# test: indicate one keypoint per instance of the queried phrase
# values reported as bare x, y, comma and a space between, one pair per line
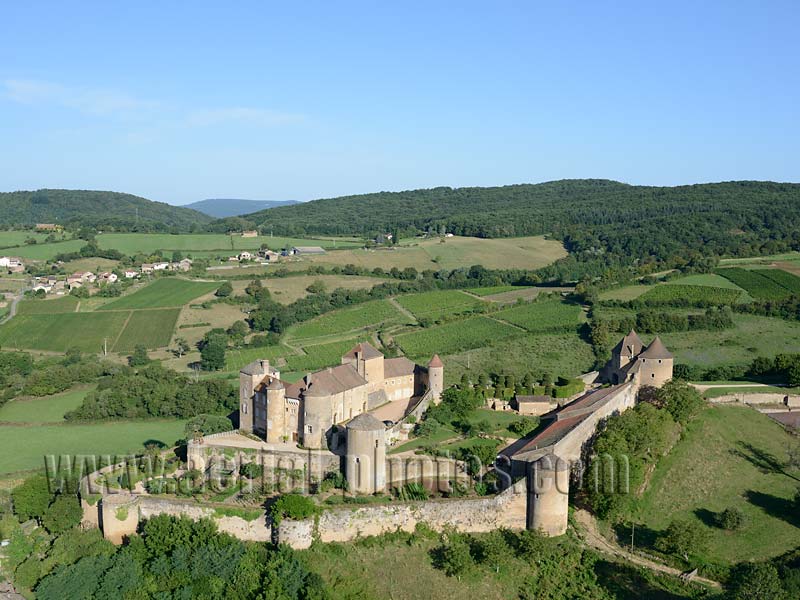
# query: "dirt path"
591, 535
12, 309
703, 387
405, 312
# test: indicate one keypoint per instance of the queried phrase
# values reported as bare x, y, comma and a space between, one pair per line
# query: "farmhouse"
307, 250
148, 267
160, 266
108, 277
12, 263
183, 265
308, 410
245, 255
250, 234
268, 255
48, 227
131, 273
533, 405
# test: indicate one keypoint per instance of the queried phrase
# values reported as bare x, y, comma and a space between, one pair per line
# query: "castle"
306, 412
631, 361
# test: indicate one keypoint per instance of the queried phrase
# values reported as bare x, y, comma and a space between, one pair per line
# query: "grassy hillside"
94, 208
729, 457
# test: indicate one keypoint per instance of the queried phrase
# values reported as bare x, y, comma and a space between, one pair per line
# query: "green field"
149, 328
17, 238
693, 294
729, 457
496, 289
64, 304
57, 333
162, 293
625, 293
236, 359
23, 448
348, 319
707, 279
133, 243
782, 278
48, 251
49, 409
548, 316
756, 284
438, 304
456, 336
320, 356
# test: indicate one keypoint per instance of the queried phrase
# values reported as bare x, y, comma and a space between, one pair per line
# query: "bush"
293, 506
682, 538
31, 498
730, 519
207, 425
251, 470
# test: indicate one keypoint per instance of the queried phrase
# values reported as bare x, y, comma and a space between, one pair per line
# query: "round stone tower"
436, 377
548, 490
365, 460
276, 411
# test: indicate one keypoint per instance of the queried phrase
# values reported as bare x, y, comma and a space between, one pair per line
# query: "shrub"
207, 425
730, 519
251, 470
293, 506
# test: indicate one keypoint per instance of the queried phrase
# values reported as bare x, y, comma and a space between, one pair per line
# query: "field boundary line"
122, 329
488, 316
393, 301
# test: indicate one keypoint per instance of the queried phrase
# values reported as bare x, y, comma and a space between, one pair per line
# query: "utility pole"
105, 346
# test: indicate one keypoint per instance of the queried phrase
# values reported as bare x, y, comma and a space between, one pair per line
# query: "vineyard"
319, 356
782, 278
163, 293
348, 319
757, 283
692, 294
438, 304
549, 316
497, 289
148, 328
457, 336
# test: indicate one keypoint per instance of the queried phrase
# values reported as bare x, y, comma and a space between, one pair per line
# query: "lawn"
729, 457
48, 251
23, 448
438, 304
49, 306
547, 316
58, 332
455, 336
49, 409
343, 320
441, 435
167, 292
149, 328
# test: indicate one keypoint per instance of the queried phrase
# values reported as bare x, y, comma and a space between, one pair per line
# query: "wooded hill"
103, 210
595, 218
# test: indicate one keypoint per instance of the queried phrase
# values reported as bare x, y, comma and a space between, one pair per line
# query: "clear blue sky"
183, 101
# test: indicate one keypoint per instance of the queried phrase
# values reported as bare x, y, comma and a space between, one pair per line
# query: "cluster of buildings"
270, 256
181, 265
12, 264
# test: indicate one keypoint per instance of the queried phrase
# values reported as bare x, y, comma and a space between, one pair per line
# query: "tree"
64, 513
730, 519
680, 399
756, 581
181, 346
207, 424
139, 357
225, 290
455, 557
31, 498
316, 287
212, 356
73, 356
682, 538
494, 550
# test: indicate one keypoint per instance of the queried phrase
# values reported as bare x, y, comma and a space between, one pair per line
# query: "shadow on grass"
780, 508
643, 536
762, 460
708, 517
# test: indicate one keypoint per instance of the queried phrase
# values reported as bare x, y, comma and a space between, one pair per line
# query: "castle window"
376, 443
244, 408
652, 375
309, 429
659, 361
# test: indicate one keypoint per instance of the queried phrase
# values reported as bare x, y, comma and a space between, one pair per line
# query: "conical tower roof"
365, 422
656, 349
631, 343
436, 362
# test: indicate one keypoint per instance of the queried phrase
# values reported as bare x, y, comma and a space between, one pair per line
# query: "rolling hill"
231, 207
107, 210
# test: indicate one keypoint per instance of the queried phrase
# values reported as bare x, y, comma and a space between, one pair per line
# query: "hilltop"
231, 207
100, 209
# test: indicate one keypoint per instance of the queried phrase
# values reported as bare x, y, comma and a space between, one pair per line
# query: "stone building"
307, 411
631, 361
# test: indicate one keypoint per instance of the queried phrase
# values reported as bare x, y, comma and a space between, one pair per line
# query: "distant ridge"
231, 207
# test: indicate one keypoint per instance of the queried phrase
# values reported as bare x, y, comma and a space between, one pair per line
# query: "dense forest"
101, 210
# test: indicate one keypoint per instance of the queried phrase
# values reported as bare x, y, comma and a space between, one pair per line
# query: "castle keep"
306, 411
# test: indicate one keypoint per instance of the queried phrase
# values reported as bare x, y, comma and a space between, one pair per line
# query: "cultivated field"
149, 328
438, 304
288, 289
48, 251
693, 293
729, 457
763, 284
361, 316
168, 292
455, 336
48, 306
133, 243
546, 316
58, 332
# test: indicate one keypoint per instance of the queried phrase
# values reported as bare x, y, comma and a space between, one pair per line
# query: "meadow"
438, 304
48, 409
361, 316
48, 306
23, 447
706, 279
730, 456
455, 336
17, 238
319, 356
544, 316
162, 293
148, 243
48, 251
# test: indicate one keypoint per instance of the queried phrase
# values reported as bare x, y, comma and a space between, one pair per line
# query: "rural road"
12, 310
591, 535
703, 387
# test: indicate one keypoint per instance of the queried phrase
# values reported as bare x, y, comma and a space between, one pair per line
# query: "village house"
160, 266
250, 234
108, 277
131, 273
245, 255
48, 227
268, 255
12, 263
533, 406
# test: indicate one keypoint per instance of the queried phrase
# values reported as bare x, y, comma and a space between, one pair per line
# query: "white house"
131, 273
245, 255
160, 266
108, 277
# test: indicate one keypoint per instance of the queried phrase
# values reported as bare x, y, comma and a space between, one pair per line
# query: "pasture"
361, 316
438, 304
545, 316
162, 293
148, 243
730, 456
24, 447
9, 239
48, 409
48, 251
455, 336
